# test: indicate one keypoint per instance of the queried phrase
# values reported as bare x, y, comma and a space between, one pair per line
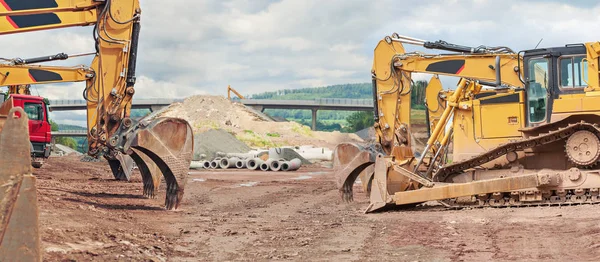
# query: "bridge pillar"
314, 119
155, 108
258, 108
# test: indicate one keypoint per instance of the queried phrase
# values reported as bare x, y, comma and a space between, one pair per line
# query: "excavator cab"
549, 75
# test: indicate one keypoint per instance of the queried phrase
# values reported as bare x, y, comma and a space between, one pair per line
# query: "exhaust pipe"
240, 164
292, 165
228, 162
266, 166
254, 163
276, 165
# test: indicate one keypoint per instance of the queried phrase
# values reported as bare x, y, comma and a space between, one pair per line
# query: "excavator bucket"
19, 227
352, 161
161, 146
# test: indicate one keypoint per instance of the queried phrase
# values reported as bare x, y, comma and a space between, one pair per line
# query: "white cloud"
195, 47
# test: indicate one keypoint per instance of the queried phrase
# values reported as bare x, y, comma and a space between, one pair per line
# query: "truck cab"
39, 124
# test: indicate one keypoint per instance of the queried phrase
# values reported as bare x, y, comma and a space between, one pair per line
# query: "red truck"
39, 124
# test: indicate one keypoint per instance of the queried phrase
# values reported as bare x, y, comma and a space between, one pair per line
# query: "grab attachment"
159, 145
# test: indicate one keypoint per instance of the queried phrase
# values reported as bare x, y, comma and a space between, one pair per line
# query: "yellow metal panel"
501, 120
21, 74
475, 66
573, 104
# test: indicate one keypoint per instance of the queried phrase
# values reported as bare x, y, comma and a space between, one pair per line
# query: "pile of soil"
216, 112
210, 142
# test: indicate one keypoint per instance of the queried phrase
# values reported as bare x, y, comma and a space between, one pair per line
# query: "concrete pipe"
291, 165
197, 164
215, 163
240, 164
276, 165
206, 164
254, 163
266, 166
228, 162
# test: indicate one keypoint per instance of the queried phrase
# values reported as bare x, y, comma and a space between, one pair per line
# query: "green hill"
329, 120
355, 91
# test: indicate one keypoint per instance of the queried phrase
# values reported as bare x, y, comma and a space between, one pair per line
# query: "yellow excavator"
158, 145
520, 127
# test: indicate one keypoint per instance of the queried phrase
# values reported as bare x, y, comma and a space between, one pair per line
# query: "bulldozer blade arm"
379, 196
168, 144
350, 162
19, 226
121, 167
151, 174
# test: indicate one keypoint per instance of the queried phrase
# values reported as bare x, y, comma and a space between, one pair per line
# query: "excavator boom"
518, 143
109, 89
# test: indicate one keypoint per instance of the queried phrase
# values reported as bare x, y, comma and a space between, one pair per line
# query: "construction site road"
256, 216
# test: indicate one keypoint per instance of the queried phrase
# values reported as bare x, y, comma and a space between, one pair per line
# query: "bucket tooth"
121, 166
168, 144
151, 174
19, 215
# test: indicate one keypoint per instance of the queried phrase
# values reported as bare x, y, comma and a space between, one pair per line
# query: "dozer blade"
166, 143
19, 227
121, 166
351, 161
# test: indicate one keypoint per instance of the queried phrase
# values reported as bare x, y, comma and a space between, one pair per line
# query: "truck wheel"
36, 164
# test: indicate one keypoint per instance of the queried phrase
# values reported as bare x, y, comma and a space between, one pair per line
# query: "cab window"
537, 89
34, 111
573, 72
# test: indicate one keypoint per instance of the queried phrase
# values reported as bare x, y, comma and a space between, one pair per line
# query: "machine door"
538, 82
37, 129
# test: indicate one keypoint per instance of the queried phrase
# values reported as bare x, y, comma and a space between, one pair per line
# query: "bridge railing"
344, 101
145, 101
69, 132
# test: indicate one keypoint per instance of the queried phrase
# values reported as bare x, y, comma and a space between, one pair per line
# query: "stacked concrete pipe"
241, 163
228, 162
276, 165
215, 163
291, 165
266, 166
254, 163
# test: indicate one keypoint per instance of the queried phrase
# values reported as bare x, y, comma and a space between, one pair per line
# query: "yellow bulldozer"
519, 129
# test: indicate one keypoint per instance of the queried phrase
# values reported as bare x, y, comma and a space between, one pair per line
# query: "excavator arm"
392, 75
34, 15
13, 75
158, 145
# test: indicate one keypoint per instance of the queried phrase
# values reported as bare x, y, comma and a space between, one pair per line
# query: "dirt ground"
258, 216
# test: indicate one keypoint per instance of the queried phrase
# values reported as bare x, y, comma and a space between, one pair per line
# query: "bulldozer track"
446, 172
569, 199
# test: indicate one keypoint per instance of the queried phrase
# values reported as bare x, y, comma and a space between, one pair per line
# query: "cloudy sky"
200, 47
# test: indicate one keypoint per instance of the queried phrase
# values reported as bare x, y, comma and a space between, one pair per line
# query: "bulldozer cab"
550, 73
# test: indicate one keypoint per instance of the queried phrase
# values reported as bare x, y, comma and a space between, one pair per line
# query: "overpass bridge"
69, 133
344, 104
80, 104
